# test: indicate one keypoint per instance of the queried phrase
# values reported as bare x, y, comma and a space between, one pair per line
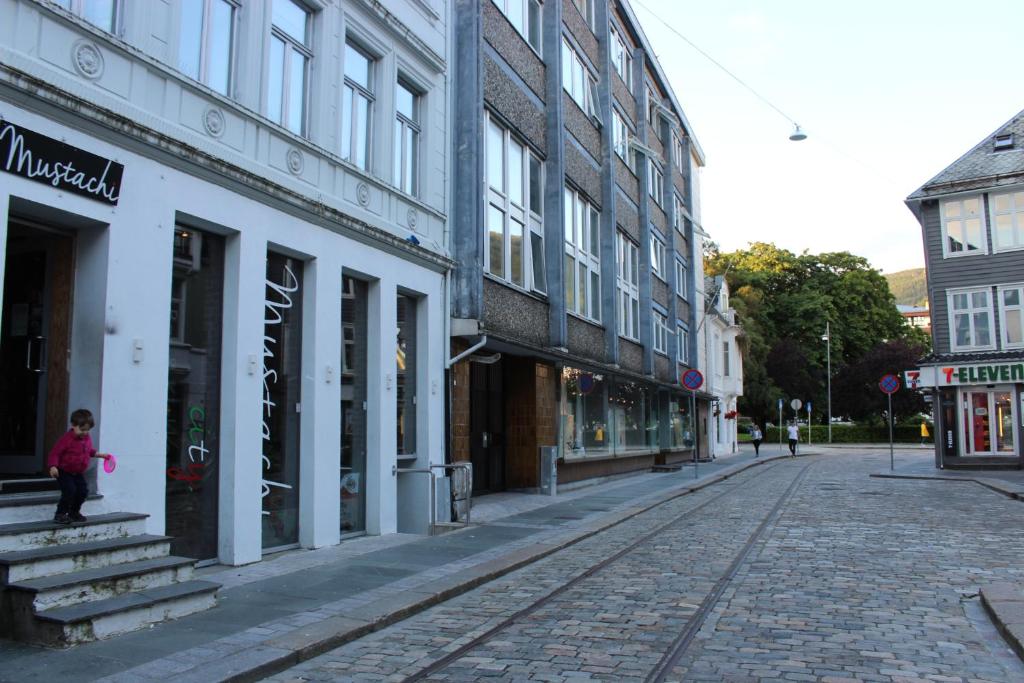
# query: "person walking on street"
755, 438
794, 437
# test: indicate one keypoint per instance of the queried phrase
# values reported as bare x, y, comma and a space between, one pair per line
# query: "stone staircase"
64, 585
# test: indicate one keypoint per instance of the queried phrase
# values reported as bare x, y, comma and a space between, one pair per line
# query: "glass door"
989, 422
353, 406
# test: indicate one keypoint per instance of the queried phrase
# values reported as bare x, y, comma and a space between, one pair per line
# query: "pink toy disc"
109, 464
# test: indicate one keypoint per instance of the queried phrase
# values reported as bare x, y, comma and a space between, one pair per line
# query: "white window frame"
1003, 308
652, 102
80, 8
205, 46
587, 9
620, 137
1016, 214
682, 287
514, 212
679, 214
622, 58
682, 344
659, 266
726, 359
358, 93
525, 17
678, 155
292, 46
655, 182
659, 340
580, 231
579, 82
406, 174
627, 286
970, 311
943, 209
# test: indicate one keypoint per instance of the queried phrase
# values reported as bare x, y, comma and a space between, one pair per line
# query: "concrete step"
42, 534
89, 621
100, 583
37, 506
21, 565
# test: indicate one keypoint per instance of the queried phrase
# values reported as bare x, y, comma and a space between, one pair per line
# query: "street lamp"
827, 338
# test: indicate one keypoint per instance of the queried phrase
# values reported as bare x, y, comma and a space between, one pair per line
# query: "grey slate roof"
981, 167
976, 357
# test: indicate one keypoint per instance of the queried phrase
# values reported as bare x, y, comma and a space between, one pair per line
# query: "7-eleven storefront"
979, 408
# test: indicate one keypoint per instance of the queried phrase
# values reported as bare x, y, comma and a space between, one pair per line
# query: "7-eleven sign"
912, 378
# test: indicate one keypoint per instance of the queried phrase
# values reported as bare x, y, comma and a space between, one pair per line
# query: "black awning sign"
30, 155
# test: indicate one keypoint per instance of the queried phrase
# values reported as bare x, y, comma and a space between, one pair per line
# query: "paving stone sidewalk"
299, 604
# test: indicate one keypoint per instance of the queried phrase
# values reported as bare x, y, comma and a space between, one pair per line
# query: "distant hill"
909, 287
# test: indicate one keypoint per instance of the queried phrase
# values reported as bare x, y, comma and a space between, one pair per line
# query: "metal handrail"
462, 465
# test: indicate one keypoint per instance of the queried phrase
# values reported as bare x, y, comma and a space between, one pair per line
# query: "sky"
889, 94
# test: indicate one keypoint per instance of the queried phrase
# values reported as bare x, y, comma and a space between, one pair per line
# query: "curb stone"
287, 650
1004, 603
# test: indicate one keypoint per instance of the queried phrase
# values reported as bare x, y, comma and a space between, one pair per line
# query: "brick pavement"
859, 579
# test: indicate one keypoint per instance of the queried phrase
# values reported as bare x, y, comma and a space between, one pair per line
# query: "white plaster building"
724, 364
243, 277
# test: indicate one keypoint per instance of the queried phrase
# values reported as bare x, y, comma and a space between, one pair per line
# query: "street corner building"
575, 226
223, 228
972, 222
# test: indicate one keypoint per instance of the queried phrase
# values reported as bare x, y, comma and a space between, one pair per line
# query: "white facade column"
320, 440
240, 540
381, 414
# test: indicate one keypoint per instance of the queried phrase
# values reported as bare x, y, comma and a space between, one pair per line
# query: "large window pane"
290, 18
352, 488
516, 251
357, 69
282, 380
496, 239
963, 329
219, 41
569, 276
406, 384
495, 157
515, 173
361, 132
627, 401
982, 334
275, 88
540, 279
584, 414
190, 37
1014, 330
536, 198
99, 13
297, 93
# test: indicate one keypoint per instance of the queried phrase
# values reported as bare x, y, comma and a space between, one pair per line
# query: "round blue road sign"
692, 379
889, 384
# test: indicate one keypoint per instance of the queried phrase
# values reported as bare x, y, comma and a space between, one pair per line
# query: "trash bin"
549, 470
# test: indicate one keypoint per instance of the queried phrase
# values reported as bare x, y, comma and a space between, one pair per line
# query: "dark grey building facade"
972, 222
573, 229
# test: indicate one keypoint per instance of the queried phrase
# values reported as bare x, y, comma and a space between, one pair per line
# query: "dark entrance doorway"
487, 427
34, 343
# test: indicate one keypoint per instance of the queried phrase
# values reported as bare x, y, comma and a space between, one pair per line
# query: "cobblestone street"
802, 570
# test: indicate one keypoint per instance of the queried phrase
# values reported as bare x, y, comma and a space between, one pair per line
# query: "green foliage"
853, 434
909, 287
784, 300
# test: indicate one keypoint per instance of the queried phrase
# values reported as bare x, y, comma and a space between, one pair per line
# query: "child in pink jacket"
68, 461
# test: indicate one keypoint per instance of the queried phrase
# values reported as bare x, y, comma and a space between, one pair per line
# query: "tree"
855, 390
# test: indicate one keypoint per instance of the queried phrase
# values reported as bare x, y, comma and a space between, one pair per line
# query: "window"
658, 257
206, 41
1011, 315
405, 365
585, 413
725, 358
682, 344
655, 182
407, 136
103, 14
514, 211
524, 15
660, 332
587, 9
622, 58
620, 137
628, 286
678, 152
1007, 211
679, 214
652, 108
578, 82
290, 54
681, 279
357, 108
582, 274
970, 314
1002, 142
963, 229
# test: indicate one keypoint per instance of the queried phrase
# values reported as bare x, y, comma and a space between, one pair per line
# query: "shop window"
352, 487
357, 107
193, 393
282, 380
633, 416
584, 413
680, 416
290, 55
963, 227
405, 360
206, 42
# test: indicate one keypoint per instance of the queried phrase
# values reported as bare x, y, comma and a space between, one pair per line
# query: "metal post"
892, 462
780, 426
693, 430
828, 361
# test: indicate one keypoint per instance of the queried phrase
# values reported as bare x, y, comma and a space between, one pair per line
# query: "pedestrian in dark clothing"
755, 438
